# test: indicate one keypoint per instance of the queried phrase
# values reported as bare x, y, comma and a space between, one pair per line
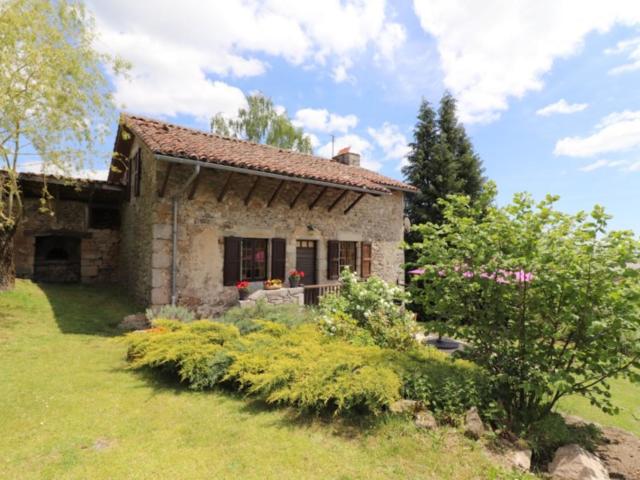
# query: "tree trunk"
7, 266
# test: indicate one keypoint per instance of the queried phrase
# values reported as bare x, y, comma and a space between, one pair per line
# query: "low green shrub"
309, 371
552, 432
172, 312
448, 387
245, 319
197, 352
371, 305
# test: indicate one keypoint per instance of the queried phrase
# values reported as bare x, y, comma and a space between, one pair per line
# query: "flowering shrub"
371, 311
548, 301
296, 274
242, 285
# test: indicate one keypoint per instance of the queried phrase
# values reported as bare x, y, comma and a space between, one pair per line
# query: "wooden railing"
313, 293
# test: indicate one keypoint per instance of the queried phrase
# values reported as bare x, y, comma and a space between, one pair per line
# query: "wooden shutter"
138, 172
365, 260
231, 268
333, 258
278, 258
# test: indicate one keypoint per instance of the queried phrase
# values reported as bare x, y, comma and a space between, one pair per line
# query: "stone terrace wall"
204, 222
275, 297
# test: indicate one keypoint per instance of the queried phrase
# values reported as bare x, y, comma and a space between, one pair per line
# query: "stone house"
199, 212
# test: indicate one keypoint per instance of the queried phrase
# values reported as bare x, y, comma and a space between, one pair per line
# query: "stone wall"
137, 233
99, 248
275, 297
204, 222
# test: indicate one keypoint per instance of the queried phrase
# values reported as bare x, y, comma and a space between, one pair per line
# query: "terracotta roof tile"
173, 140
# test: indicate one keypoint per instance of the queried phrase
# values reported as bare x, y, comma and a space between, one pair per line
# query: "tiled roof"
173, 140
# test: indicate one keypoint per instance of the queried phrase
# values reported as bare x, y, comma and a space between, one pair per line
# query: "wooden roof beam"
194, 186
165, 181
318, 197
295, 200
251, 191
337, 200
354, 203
275, 193
225, 187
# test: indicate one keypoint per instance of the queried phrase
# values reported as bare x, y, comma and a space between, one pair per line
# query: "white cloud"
174, 48
392, 36
616, 132
391, 140
622, 165
320, 120
493, 50
358, 145
562, 107
36, 166
631, 48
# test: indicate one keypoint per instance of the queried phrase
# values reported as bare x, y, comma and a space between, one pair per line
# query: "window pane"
254, 259
348, 255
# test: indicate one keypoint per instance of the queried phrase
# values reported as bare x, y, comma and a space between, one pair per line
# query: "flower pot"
294, 282
243, 294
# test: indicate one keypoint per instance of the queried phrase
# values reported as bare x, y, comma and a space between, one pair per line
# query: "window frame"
254, 242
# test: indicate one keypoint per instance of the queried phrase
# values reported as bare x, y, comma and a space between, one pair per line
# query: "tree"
55, 100
441, 162
262, 123
549, 302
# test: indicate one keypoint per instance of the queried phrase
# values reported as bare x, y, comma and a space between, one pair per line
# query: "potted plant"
243, 289
272, 284
294, 278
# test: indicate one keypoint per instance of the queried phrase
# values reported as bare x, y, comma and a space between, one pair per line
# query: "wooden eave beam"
251, 190
225, 187
354, 203
165, 181
295, 200
337, 200
318, 197
275, 193
194, 186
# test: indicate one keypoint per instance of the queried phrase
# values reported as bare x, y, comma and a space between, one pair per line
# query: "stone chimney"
347, 157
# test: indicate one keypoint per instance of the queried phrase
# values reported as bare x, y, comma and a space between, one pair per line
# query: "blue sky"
358, 70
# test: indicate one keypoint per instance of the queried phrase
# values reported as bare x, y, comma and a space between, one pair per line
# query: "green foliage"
369, 311
262, 123
55, 94
548, 434
172, 312
197, 352
441, 162
448, 387
549, 302
305, 369
246, 319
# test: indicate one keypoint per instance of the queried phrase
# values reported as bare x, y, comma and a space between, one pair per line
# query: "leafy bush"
545, 436
172, 312
197, 352
305, 369
247, 319
448, 387
373, 306
549, 302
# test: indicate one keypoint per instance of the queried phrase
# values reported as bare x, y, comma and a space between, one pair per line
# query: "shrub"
305, 369
371, 305
246, 319
448, 387
172, 312
549, 302
197, 352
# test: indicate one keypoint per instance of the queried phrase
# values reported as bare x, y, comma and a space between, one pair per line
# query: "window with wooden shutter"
231, 268
365, 260
333, 258
278, 258
138, 179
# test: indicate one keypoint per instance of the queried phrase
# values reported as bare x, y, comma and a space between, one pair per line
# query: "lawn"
70, 409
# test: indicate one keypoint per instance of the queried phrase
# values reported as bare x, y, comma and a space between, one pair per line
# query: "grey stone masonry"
275, 297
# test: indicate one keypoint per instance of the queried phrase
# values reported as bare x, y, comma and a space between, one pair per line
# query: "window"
340, 255
138, 172
104, 218
365, 260
253, 259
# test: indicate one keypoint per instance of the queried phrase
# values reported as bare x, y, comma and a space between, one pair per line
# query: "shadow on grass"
88, 309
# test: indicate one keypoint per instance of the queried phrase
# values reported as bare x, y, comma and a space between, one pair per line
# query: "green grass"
70, 409
625, 395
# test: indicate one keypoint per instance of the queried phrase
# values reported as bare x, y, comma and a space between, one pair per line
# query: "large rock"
519, 458
572, 462
404, 406
620, 453
424, 419
473, 426
136, 321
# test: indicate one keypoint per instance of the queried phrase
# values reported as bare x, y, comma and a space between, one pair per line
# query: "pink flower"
467, 274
